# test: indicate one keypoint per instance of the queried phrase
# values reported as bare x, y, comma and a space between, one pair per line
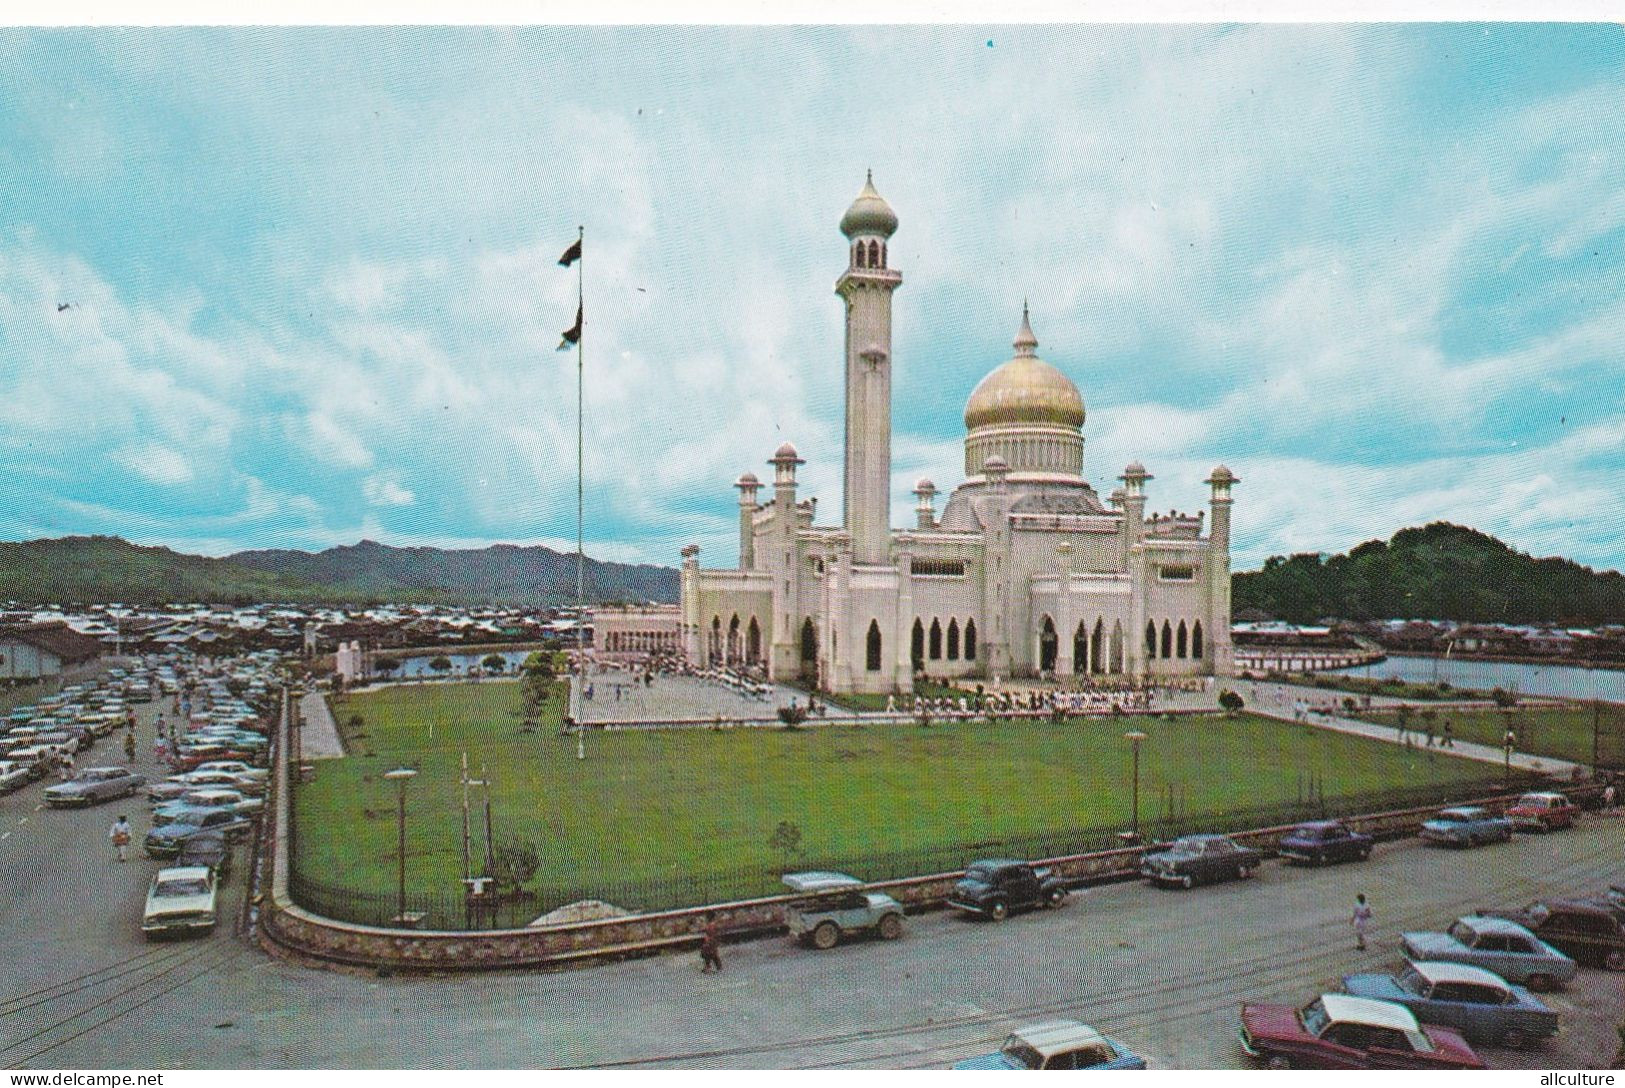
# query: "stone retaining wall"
287, 926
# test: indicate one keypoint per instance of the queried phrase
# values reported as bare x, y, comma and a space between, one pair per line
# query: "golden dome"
1025, 390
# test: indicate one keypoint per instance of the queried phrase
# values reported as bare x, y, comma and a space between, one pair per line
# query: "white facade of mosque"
1027, 572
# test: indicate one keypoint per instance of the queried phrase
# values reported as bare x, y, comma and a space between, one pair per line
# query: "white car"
236, 767
180, 902
14, 776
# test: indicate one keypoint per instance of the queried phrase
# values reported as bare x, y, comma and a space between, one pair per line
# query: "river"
1563, 680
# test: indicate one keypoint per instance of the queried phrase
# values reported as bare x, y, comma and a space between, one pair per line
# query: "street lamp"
1135, 738
399, 776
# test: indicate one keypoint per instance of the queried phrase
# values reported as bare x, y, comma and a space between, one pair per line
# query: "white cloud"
160, 464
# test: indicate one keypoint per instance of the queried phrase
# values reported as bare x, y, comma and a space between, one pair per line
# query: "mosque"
1026, 572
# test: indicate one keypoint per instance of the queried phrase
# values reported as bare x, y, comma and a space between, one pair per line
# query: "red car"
1337, 1031
1542, 812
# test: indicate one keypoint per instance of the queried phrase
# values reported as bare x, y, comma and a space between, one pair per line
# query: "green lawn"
1563, 733
650, 817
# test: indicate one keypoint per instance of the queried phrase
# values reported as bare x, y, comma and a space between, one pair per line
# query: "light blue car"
1480, 1004
1467, 825
1057, 1044
1497, 945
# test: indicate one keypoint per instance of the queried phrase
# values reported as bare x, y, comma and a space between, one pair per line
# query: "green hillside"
1439, 571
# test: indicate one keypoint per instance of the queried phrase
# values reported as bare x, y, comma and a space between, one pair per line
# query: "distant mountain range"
107, 568
1440, 572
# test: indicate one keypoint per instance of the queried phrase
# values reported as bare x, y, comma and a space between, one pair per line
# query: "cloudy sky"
312, 295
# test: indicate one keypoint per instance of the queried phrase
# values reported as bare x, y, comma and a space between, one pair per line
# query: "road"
1162, 970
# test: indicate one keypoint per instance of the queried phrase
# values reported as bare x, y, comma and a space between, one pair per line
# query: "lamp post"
1135, 738
399, 776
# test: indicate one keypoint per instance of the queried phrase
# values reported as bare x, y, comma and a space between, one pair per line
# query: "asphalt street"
1162, 970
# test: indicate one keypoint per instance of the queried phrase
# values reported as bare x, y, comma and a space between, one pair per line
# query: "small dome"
923, 484
869, 214
1222, 474
995, 464
1134, 469
786, 452
748, 480
1025, 390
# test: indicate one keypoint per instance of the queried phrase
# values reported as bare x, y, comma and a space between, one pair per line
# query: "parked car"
201, 801
1200, 859
94, 785
236, 767
996, 886
177, 786
166, 841
1340, 1031
14, 775
1058, 1044
1480, 1004
1543, 812
1494, 944
1325, 841
211, 850
1589, 932
181, 902
835, 905
1468, 825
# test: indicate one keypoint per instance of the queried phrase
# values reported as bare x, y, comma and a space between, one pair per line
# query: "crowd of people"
1025, 703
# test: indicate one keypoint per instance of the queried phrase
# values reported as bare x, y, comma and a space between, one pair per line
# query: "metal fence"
447, 910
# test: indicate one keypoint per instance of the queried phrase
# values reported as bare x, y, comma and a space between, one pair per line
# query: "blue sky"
1376, 270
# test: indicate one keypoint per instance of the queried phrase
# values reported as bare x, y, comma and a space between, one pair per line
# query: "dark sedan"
1587, 932
1325, 841
95, 785
1200, 859
209, 849
996, 886
166, 841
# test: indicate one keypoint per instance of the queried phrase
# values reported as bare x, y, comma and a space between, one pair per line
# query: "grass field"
702, 805
1563, 733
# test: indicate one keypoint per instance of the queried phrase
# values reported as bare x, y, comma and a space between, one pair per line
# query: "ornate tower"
866, 286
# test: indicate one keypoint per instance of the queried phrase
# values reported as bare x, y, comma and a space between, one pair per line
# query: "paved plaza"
619, 696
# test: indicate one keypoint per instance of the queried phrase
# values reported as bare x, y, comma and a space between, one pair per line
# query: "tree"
540, 662
786, 839
441, 664
1231, 701
495, 663
514, 861
792, 716
1504, 699
384, 666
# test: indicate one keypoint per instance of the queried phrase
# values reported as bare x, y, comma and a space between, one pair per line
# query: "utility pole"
468, 865
490, 850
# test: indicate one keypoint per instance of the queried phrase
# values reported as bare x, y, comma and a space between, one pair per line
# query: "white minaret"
866, 286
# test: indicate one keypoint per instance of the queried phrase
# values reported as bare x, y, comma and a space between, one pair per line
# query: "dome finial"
1026, 343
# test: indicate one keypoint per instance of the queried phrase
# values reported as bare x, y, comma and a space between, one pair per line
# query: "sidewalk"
1275, 701
318, 733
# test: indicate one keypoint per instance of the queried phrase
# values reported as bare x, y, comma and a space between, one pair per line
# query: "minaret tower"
866, 286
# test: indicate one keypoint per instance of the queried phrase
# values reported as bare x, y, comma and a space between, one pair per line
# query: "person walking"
710, 948
120, 834
65, 767
1449, 740
129, 748
1361, 921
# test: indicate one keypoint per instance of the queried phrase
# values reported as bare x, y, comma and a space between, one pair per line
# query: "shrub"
792, 716
514, 861
441, 663
1231, 701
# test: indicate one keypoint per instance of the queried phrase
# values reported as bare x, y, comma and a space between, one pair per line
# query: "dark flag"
571, 255
573, 333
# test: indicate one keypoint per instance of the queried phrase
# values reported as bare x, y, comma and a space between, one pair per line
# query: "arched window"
1167, 640
1150, 639
916, 646
953, 640
753, 642
1116, 656
874, 255
1047, 644
873, 656
733, 640
882, 256
1097, 646
936, 640
860, 256
809, 642
1196, 641
715, 649
1181, 644
970, 640
1080, 648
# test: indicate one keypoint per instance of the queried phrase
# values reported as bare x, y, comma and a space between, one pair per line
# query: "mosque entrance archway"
916, 649
872, 656
1047, 646
1097, 646
1080, 648
1117, 647
753, 643
733, 640
809, 648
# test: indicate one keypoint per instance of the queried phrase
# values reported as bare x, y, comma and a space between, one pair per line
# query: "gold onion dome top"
1025, 390
869, 213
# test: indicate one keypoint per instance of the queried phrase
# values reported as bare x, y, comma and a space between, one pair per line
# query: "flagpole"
581, 553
